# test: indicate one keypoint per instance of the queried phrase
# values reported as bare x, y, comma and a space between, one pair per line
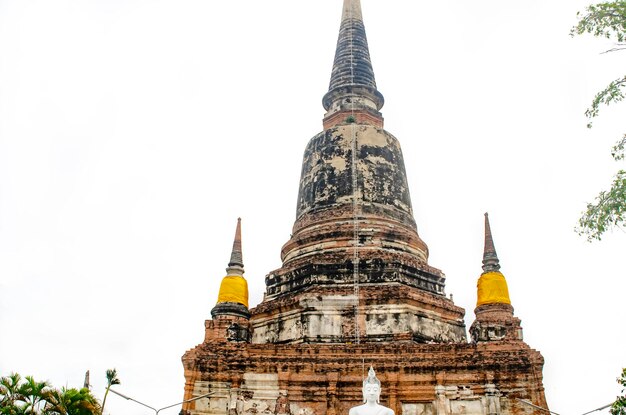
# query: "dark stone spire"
352, 64
236, 258
232, 299
491, 263
494, 313
352, 80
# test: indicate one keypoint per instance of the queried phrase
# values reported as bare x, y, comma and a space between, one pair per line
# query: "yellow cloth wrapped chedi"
234, 289
492, 288
232, 299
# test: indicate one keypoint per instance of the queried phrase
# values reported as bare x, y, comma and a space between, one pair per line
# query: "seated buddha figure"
371, 398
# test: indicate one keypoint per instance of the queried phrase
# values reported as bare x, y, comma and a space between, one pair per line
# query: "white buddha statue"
371, 398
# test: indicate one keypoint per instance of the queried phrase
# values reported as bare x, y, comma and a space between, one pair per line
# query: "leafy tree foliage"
34, 394
619, 406
10, 393
608, 211
26, 396
72, 402
604, 20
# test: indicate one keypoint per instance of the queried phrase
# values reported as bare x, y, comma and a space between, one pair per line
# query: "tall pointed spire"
232, 299
352, 64
236, 257
352, 10
491, 263
494, 312
492, 286
352, 83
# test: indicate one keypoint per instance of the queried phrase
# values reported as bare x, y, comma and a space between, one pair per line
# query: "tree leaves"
614, 92
608, 20
619, 406
618, 150
603, 20
72, 402
112, 378
25, 396
608, 211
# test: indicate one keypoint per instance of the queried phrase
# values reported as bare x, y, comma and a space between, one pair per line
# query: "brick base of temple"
326, 379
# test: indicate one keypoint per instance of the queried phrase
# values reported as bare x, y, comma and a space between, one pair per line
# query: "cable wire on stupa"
355, 200
351, 94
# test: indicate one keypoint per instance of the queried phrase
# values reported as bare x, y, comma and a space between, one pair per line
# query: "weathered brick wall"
320, 379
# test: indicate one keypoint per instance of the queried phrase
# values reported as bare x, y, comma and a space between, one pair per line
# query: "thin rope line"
355, 202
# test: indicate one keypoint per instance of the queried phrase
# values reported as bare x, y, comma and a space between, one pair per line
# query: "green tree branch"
619, 406
603, 20
608, 211
608, 20
614, 92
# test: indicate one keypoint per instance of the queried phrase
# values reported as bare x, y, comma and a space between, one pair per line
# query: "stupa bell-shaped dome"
354, 207
354, 238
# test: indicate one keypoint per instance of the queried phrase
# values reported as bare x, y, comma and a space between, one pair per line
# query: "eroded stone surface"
322, 379
385, 311
495, 322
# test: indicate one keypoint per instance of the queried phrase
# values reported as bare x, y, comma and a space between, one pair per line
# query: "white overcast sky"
133, 133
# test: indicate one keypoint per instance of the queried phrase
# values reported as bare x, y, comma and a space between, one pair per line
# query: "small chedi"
355, 289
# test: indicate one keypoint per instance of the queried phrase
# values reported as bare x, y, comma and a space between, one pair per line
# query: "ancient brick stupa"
355, 290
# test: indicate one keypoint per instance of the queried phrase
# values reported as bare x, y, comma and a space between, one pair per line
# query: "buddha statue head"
371, 387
